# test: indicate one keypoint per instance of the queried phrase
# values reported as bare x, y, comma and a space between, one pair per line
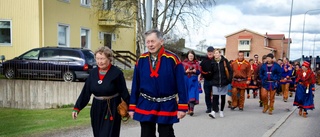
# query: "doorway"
107, 40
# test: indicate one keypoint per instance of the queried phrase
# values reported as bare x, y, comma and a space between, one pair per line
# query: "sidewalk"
249, 123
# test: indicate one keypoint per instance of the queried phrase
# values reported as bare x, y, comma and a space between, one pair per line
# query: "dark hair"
264, 57
191, 52
270, 55
157, 32
250, 60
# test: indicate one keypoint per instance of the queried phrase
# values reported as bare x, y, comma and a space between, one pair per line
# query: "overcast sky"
261, 16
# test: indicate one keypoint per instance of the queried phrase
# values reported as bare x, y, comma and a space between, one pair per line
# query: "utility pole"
289, 39
148, 18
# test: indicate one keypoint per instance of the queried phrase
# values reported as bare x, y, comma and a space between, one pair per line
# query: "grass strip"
24, 122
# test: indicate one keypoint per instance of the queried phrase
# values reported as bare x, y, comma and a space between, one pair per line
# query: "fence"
33, 94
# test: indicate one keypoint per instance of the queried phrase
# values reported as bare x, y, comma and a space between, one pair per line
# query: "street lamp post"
304, 22
314, 47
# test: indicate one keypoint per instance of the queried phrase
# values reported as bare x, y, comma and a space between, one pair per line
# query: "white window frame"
107, 4
86, 3
88, 37
113, 36
66, 1
244, 40
67, 35
8, 44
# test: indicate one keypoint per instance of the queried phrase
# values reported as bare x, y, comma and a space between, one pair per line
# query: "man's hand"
131, 113
181, 114
248, 82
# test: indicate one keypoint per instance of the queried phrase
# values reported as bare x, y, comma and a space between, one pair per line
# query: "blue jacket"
165, 80
270, 76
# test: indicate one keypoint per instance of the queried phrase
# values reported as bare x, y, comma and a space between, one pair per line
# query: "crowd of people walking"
165, 89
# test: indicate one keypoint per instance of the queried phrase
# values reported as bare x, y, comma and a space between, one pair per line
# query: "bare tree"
166, 16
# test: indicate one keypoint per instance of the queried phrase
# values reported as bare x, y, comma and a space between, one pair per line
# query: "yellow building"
27, 24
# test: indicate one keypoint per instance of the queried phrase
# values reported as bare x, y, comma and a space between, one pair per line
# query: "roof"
242, 31
287, 39
273, 49
185, 50
275, 36
245, 37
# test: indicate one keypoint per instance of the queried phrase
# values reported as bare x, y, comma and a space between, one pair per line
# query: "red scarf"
191, 64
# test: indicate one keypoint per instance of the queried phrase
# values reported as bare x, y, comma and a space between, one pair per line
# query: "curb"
270, 132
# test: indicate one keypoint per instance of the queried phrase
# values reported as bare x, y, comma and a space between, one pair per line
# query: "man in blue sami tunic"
158, 93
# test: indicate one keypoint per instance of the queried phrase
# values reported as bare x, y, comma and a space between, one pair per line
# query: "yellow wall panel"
24, 15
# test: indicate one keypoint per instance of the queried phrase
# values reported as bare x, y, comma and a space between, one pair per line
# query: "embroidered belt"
270, 81
106, 97
239, 79
154, 99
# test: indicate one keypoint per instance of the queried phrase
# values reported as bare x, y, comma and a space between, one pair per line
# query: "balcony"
114, 19
244, 47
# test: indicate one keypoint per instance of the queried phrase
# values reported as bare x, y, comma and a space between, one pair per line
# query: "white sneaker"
221, 114
212, 114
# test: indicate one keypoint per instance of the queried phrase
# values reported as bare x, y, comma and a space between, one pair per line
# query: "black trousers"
148, 129
215, 102
207, 86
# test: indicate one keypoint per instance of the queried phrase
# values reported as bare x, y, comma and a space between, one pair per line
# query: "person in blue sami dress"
286, 78
192, 70
270, 74
158, 93
305, 80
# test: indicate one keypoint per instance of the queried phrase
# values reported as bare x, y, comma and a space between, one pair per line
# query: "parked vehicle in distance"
2, 57
64, 63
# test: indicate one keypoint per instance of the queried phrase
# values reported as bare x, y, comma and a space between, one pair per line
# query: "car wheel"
9, 73
69, 76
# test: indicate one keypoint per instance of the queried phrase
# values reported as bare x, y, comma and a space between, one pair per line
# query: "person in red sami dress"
241, 78
306, 80
192, 70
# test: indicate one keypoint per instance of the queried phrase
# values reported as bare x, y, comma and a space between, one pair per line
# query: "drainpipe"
42, 23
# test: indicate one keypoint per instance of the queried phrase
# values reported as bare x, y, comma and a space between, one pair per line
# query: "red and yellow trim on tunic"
171, 55
76, 109
132, 107
182, 107
154, 112
241, 84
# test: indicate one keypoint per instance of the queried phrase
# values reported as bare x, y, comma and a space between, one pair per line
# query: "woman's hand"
131, 114
74, 115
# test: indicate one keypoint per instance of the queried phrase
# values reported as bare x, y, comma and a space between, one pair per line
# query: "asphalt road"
285, 122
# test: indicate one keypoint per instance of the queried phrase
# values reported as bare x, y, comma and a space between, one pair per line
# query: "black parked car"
68, 64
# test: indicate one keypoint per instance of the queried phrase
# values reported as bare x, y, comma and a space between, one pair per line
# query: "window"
244, 42
49, 54
113, 36
69, 55
85, 2
246, 54
63, 35
107, 4
31, 55
67, 1
85, 38
5, 32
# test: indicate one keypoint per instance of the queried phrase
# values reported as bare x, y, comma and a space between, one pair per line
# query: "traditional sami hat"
306, 64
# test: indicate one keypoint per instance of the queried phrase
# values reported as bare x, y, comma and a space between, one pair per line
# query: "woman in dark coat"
222, 75
107, 84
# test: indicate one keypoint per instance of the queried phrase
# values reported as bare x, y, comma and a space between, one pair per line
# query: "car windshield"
32, 55
89, 56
